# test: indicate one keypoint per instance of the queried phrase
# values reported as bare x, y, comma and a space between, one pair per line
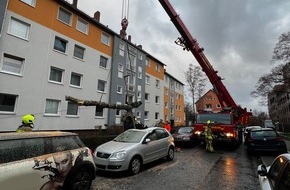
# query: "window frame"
77, 110
119, 89
80, 81
107, 37
85, 23
52, 113
64, 11
106, 62
33, 2
12, 31
55, 48
99, 82
14, 106
56, 69
14, 60
99, 116
79, 48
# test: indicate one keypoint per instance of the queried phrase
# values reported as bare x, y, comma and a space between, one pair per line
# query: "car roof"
253, 126
148, 130
262, 129
33, 134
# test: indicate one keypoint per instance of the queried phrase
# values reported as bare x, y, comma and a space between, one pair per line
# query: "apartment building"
173, 101
51, 49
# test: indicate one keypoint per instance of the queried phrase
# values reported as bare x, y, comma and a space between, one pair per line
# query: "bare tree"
189, 113
196, 81
278, 75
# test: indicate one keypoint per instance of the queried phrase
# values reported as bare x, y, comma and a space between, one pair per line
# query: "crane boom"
190, 44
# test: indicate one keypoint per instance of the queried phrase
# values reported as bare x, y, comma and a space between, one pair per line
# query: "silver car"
133, 148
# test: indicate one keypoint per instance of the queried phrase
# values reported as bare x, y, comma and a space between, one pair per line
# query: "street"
192, 168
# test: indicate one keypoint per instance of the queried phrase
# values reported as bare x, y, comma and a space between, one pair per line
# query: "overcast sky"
238, 36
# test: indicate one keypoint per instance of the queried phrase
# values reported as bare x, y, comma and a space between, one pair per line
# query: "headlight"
118, 155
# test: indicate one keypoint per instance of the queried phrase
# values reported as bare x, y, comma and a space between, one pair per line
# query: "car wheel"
170, 155
80, 179
135, 165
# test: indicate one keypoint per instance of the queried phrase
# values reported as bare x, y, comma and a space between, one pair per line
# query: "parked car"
266, 140
45, 160
276, 176
133, 148
184, 137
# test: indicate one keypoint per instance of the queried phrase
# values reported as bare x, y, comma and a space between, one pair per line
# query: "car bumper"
109, 165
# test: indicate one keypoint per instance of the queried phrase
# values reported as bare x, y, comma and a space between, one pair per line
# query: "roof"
33, 134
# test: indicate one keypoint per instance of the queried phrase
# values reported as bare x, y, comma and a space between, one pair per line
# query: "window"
147, 79
140, 56
72, 109
103, 61
131, 62
79, 52
29, 2
120, 70
166, 104
75, 79
147, 63
157, 83
105, 38
60, 44
52, 106
166, 91
138, 114
64, 16
19, 28
218, 105
156, 115
146, 115
166, 79
147, 97
122, 49
82, 26
119, 89
140, 72
99, 112
7, 102
157, 68
55, 75
208, 106
157, 99
118, 112
12, 64
101, 85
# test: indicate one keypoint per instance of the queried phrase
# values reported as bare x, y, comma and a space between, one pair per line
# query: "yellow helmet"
28, 119
208, 122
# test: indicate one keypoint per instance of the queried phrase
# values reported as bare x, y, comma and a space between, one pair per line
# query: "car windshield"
214, 117
263, 134
185, 130
130, 136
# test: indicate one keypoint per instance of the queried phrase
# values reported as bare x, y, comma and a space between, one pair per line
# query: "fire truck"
227, 124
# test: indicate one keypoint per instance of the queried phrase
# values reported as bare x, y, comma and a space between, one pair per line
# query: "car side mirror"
262, 170
147, 141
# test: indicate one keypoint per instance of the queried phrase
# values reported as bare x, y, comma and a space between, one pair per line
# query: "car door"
284, 182
276, 170
150, 149
163, 143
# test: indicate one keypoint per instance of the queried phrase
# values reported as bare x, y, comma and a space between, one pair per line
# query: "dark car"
276, 176
184, 136
265, 140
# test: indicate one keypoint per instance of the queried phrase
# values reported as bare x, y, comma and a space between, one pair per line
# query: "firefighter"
27, 123
208, 137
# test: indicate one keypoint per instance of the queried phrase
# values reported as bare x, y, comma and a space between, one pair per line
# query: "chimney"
75, 3
129, 38
97, 16
139, 46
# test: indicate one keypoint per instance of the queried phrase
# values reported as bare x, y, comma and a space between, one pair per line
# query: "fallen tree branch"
128, 107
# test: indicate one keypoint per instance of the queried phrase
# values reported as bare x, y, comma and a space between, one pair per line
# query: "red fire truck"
229, 122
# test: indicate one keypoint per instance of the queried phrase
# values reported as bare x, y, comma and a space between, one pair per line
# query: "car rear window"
263, 134
19, 149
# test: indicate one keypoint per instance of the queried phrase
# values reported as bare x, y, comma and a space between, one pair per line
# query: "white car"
133, 148
276, 176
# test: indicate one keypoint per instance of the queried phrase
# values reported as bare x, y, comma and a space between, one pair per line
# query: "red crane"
240, 115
